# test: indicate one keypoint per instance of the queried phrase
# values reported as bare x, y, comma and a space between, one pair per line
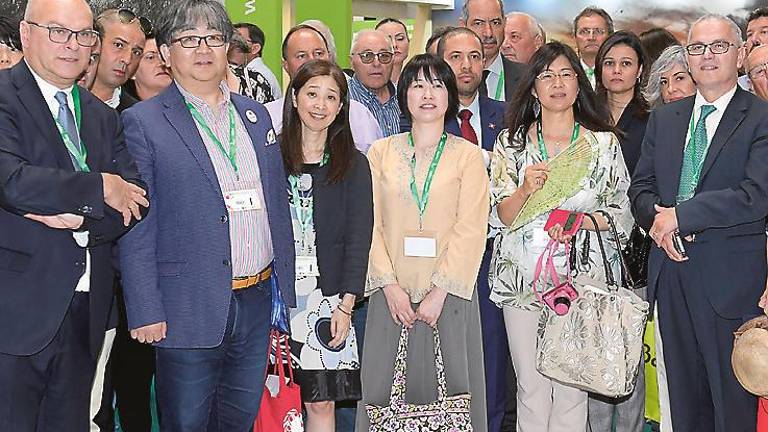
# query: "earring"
536, 107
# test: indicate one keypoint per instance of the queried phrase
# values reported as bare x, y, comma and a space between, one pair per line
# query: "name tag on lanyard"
242, 200
306, 266
420, 244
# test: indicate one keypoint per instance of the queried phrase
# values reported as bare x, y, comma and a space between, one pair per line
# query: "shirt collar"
114, 101
258, 61
371, 95
474, 107
720, 103
49, 90
497, 66
199, 103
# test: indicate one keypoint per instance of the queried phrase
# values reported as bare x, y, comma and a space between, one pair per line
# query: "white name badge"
242, 200
420, 245
306, 266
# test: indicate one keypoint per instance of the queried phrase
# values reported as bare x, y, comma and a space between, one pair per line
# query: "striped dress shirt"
387, 114
249, 234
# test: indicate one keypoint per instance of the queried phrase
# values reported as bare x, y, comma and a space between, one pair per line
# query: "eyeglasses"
213, 41
94, 58
758, 71
719, 47
548, 76
62, 35
367, 57
585, 31
128, 16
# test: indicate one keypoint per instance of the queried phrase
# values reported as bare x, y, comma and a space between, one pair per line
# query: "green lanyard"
303, 213
232, 153
540, 136
79, 154
500, 86
421, 200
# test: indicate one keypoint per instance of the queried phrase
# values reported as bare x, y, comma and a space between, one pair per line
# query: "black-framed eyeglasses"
213, 41
128, 16
719, 47
367, 57
61, 35
759, 71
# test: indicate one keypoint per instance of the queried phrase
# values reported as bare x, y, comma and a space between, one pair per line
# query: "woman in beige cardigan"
426, 250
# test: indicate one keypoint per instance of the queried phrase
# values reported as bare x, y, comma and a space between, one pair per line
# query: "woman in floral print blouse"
554, 108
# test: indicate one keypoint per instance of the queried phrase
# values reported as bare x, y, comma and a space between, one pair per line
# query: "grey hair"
327, 34
671, 56
237, 42
362, 33
465, 9
183, 15
534, 26
735, 29
747, 64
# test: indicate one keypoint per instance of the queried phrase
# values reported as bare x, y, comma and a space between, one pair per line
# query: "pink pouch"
560, 297
570, 221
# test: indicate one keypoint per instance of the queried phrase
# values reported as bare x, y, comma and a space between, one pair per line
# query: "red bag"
281, 413
762, 415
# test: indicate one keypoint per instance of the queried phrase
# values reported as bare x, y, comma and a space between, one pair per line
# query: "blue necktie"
67, 121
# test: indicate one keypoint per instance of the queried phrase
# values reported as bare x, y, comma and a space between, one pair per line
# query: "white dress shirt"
492, 82
257, 65
713, 120
114, 101
49, 94
476, 122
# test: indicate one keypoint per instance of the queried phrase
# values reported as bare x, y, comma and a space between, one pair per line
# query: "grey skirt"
461, 344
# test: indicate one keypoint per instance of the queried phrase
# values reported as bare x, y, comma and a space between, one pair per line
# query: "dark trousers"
703, 391
219, 389
346, 411
495, 348
50, 390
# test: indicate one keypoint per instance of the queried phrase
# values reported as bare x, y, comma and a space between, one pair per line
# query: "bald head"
367, 37
372, 58
61, 62
757, 62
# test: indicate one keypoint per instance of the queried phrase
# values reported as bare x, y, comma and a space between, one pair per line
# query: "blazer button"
86, 209
225, 262
224, 219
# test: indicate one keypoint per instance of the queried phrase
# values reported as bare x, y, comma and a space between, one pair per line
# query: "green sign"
268, 15
337, 15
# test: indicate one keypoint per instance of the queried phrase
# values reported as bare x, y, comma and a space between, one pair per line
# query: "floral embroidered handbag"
597, 345
446, 414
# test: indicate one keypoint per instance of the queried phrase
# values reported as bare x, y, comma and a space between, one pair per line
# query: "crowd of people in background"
160, 191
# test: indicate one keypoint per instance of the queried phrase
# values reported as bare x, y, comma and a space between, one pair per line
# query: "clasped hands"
119, 194
429, 310
663, 229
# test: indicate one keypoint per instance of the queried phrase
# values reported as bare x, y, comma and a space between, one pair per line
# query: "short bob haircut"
674, 55
183, 15
590, 113
623, 37
339, 142
433, 68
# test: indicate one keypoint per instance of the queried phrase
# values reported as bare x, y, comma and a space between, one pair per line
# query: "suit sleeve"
111, 226
27, 188
359, 229
643, 192
744, 203
138, 248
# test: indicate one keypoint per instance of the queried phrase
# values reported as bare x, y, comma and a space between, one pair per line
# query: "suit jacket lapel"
32, 98
490, 125
180, 119
452, 126
255, 131
89, 135
732, 118
678, 128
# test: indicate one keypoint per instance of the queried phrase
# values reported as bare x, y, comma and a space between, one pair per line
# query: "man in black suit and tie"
486, 19
68, 189
701, 186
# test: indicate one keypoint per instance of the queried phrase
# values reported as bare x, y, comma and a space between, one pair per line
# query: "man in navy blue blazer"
702, 177
197, 275
68, 189
480, 119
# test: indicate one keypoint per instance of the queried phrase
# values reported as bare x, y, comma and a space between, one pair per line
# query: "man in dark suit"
486, 19
479, 121
63, 202
197, 276
702, 178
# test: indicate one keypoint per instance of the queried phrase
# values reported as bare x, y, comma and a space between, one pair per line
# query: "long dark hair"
339, 143
631, 40
586, 110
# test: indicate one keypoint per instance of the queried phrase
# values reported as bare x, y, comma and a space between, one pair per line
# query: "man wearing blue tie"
197, 276
68, 189
701, 190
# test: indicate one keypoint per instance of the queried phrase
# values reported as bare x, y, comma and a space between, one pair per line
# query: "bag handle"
397, 393
608, 272
626, 276
279, 368
549, 252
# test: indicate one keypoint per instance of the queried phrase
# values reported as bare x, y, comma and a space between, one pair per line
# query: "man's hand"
399, 304
124, 197
150, 333
669, 247
432, 306
664, 223
67, 221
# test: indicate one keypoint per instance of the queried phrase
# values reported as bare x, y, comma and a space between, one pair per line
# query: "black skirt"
328, 385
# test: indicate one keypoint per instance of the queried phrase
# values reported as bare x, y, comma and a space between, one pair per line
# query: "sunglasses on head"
128, 16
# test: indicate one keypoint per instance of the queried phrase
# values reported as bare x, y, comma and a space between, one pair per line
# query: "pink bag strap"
549, 253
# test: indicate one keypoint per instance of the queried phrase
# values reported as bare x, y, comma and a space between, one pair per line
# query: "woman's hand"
556, 234
341, 320
764, 300
399, 305
432, 306
535, 177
